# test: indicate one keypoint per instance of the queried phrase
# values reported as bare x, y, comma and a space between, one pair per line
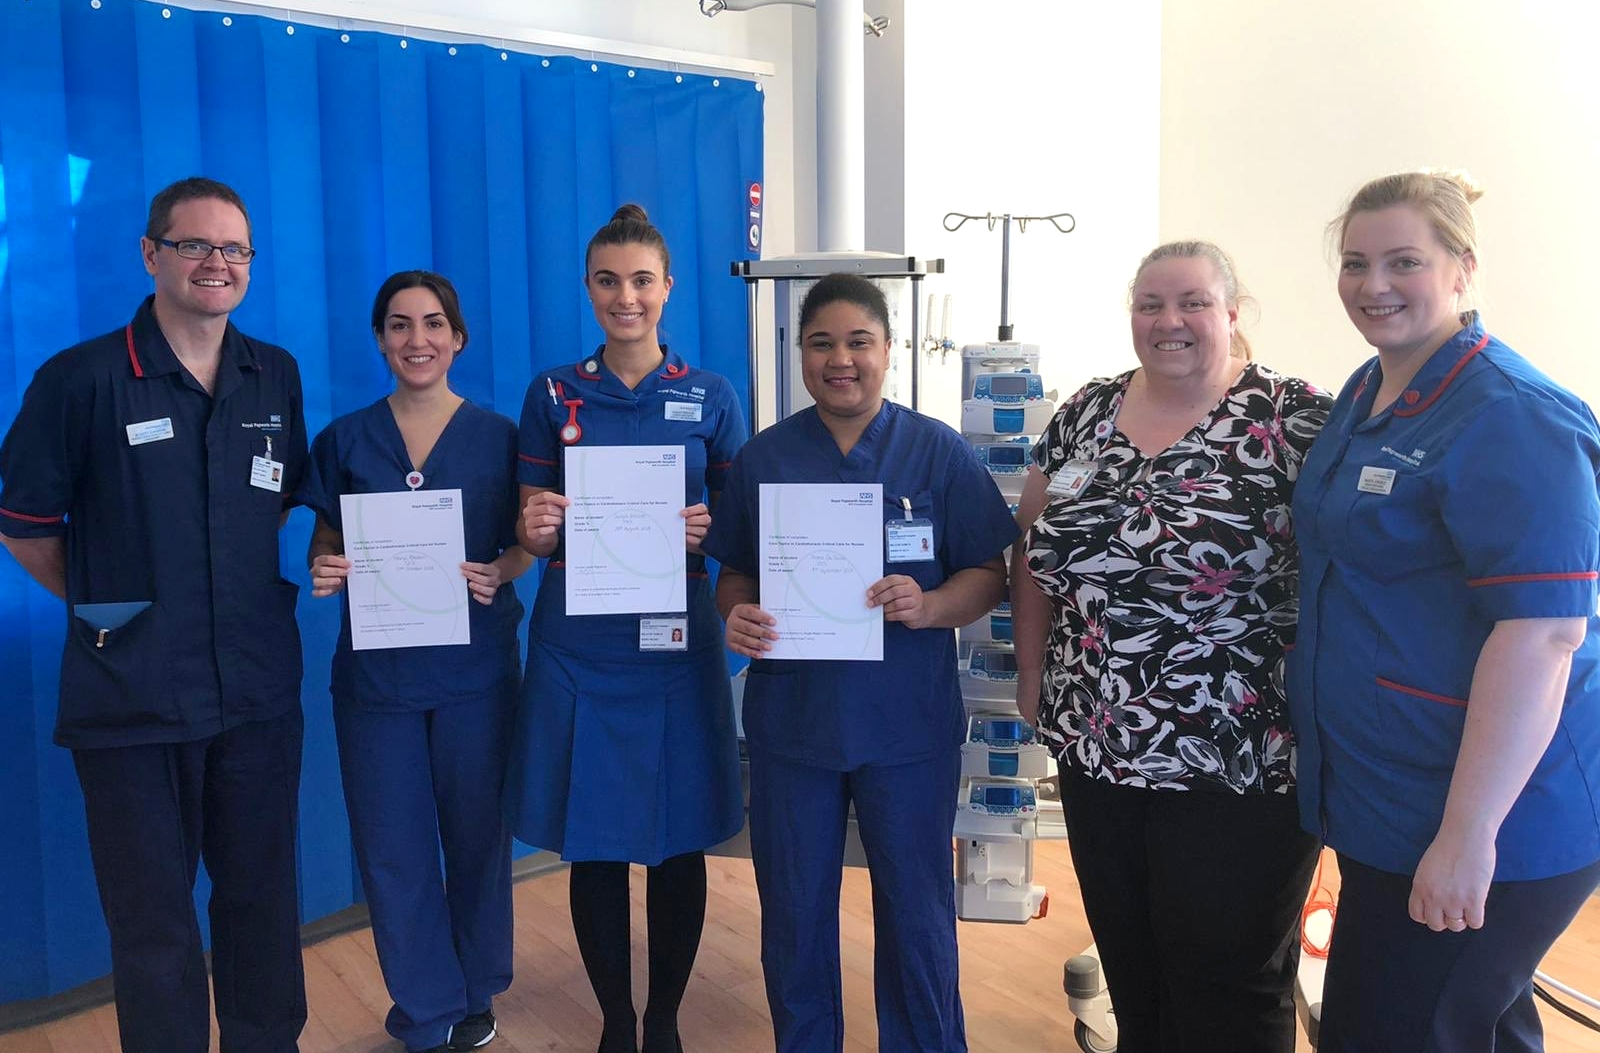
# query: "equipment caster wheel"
1088, 1041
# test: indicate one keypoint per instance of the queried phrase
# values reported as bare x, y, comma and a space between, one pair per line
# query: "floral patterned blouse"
1172, 582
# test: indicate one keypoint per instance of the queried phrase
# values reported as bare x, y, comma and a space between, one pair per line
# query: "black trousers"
153, 813
1194, 899
1394, 986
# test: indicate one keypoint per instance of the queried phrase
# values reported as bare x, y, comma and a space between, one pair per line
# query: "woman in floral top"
1152, 610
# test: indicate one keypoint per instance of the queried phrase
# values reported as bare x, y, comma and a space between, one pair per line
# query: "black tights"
675, 912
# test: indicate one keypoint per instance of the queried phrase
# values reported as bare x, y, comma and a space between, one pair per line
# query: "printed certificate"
405, 587
821, 549
624, 533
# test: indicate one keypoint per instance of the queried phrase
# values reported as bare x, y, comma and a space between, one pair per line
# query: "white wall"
1272, 114
1030, 108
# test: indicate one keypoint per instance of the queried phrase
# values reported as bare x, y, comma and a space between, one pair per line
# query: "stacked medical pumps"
1001, 807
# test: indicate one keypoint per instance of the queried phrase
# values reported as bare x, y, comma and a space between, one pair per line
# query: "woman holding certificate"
422, 729
883, 735
624, 750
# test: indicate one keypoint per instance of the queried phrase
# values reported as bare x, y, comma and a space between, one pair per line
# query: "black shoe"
474, 1032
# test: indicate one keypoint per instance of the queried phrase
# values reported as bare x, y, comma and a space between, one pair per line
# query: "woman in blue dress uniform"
624, 750
422, 730
1445, 689
883, 736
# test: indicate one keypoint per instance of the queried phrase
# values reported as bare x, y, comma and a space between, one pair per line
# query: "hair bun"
628, 212
1471, 189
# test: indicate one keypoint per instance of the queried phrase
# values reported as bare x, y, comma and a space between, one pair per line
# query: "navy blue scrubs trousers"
415, 783
1394, 986
798, 817
153, 812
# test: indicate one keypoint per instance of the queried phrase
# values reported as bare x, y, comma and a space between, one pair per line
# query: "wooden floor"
1010, 978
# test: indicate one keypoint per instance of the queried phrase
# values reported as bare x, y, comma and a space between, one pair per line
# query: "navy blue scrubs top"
364, 453
840, 715
1472, 500
676, 404
172, 522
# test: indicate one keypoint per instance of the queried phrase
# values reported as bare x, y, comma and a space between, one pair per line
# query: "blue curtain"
358, 154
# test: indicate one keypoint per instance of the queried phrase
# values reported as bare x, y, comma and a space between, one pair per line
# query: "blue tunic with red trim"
147, 476
621, 753
1474, 499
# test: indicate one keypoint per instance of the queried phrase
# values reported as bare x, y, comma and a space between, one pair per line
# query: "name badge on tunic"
1375, 480
149, 431
663, 634
1071, 478
266, 474
683, 411
908, 541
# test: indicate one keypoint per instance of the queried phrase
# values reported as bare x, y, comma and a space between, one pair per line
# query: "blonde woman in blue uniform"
1445, 688
422, 730
625, 749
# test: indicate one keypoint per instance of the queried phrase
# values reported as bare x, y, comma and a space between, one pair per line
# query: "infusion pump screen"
1008, 384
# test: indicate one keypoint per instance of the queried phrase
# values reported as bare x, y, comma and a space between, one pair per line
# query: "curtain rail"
333, 14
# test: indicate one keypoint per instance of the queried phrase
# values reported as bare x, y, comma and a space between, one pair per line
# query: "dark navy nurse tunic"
621, 754
841, 715
364, 453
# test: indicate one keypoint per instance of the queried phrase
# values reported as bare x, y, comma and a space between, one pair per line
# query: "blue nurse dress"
622, 754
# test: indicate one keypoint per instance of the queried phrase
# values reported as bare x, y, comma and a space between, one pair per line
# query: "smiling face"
198, 289
628, 289
1400, 286
417, 340
1182, 324
844, 355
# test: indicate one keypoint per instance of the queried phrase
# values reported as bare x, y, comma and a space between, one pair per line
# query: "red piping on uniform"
138, 371
30, 519
1417, 691
1507, 579
1412, 411
585, 375
535, 460
674, 370
720, 464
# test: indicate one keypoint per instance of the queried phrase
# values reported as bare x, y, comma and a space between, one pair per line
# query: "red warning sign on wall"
753, 231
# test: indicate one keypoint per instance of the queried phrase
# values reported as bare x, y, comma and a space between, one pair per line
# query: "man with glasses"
144, 481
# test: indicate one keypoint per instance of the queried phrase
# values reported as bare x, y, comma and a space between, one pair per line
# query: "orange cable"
1319, 899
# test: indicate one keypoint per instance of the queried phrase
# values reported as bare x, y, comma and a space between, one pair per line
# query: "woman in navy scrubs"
624, 750
881, 736
1446, 684
422, 731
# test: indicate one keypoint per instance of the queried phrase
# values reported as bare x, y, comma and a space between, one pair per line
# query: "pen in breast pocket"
548, 386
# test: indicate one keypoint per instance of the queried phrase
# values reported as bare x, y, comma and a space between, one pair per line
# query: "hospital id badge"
1071, 479
908, 541
266, 474
663, 634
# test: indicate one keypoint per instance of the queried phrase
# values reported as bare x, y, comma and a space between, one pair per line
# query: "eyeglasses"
202, 250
